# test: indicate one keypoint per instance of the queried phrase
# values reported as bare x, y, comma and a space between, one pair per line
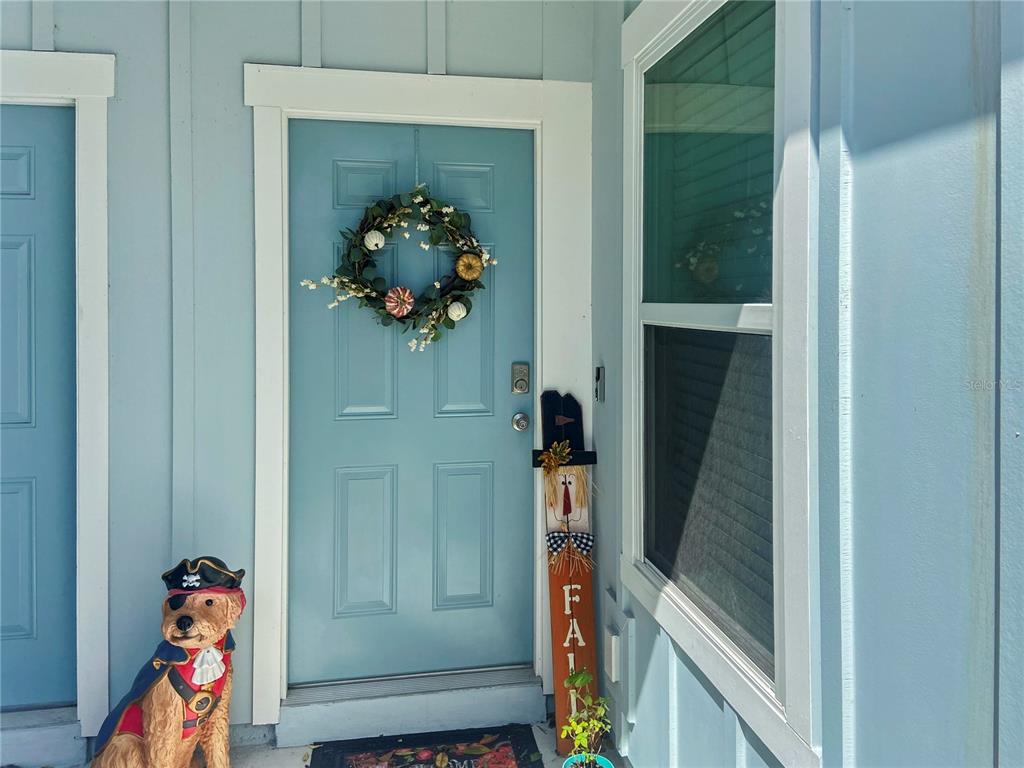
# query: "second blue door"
411, 495
37, 417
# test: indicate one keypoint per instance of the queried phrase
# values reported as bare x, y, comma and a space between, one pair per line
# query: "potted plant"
588, 725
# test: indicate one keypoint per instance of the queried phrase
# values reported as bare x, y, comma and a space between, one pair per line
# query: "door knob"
520, 422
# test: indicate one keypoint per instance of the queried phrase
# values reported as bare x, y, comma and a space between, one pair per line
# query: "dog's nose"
184, 623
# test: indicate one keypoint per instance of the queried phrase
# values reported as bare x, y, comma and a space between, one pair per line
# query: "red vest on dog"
131, 720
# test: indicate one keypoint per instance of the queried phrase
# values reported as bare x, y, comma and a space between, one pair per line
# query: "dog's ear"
235, 608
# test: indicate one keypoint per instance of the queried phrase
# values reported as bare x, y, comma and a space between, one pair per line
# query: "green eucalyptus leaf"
387, 320
379, 284
448, 323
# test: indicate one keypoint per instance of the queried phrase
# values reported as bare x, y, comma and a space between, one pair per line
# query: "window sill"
745, 687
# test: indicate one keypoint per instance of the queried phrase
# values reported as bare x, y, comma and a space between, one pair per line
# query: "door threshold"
42, 737
428, 682
390, 706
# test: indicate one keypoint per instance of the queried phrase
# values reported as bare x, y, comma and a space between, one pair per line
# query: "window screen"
709, 476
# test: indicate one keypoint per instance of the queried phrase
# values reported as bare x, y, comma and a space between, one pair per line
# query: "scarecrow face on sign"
567, 498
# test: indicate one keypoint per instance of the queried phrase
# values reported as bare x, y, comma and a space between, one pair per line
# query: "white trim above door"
559, 114
84, 81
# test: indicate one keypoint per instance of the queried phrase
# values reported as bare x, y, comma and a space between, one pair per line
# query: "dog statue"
180, 698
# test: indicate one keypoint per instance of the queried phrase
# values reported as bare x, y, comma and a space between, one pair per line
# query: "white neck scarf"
208, 666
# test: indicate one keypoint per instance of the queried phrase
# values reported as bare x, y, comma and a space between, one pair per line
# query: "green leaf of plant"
449, 323
379, 284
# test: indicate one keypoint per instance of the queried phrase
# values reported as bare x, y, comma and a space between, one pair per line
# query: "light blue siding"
906, 622
923, 244
1011, 364
219, 356
907, 281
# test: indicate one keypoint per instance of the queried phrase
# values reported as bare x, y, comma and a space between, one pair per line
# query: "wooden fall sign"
573, 641
569, 541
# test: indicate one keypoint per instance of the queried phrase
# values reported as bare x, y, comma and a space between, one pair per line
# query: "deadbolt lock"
520, 378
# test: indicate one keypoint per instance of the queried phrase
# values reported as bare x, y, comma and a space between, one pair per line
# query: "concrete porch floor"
299, 757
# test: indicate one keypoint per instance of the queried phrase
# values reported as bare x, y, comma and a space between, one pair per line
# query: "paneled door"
37, 390
411, 517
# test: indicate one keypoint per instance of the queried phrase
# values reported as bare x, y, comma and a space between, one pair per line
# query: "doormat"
507, 746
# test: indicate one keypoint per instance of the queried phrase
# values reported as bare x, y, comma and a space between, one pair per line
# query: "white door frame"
559, 114
84, 81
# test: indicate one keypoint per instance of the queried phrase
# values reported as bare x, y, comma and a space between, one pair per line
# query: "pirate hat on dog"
562, 420
203, 573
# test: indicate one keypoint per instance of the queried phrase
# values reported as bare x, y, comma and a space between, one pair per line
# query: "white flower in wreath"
456, 311
373, 240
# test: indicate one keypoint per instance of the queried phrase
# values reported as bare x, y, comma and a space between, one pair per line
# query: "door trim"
559, 114
84, 81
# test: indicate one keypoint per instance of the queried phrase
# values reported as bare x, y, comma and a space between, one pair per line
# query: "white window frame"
783, 713
84, 81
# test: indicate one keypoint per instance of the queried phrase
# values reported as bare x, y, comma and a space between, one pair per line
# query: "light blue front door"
37, 390
411, 496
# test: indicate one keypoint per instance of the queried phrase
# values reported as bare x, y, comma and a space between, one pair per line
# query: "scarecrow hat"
562, 419
203, 573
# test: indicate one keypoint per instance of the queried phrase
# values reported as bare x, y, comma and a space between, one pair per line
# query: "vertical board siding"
42, 25
906, 324
366, 34
922, 331
183, 274
312, 33
223, 36
1010, 746
139, 311
144, 534
515, 49
16, 25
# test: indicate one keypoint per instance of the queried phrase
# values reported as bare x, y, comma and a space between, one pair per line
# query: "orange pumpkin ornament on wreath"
441, 305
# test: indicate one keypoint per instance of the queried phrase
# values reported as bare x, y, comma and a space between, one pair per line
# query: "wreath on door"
439, 306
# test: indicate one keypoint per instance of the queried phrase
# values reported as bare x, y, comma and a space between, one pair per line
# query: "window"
716, 543
708, 173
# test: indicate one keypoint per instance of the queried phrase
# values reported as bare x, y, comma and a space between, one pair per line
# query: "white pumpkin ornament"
373, 240
456, 311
